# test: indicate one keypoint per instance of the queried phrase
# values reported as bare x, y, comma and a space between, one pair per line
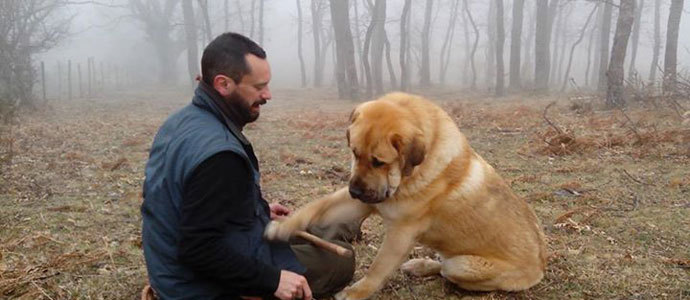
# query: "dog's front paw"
357, 291
274, 232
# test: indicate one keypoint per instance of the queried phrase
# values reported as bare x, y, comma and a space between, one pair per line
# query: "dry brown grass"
613, 195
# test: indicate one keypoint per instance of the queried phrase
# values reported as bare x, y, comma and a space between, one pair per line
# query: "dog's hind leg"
486, 274
421, 267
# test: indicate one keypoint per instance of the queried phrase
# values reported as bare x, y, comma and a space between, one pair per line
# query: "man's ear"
224, 85
412, 152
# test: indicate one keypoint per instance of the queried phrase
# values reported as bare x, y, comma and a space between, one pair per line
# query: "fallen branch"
549, 121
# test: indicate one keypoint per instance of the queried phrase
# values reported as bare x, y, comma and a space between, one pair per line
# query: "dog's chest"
399, 210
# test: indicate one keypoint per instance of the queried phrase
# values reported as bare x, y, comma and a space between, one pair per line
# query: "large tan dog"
412, 166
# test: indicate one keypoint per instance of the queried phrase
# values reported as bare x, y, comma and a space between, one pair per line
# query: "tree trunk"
632, 71
261, 22
490, 69
466, 37
541, 47
404, 45
500, 40
252, 21
425, 72
190, 32
590, 46
657, 41
365, 56
670, 59
358, 42
447, 43
474, 45
378, 41
616, 74
346, 69
566, 77
203, 5
527, 66
299, 44
240, 15
226, 15
389, 63
604, 46
564, 43
515, 44
316, 16
557, 40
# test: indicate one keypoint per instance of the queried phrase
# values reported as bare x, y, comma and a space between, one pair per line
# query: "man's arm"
214, 198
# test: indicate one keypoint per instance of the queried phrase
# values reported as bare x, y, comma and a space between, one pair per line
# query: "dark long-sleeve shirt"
215, 201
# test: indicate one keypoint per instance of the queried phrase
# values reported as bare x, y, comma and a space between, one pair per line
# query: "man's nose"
266, 94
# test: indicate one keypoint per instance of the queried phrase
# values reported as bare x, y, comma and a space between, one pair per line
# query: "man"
203, 213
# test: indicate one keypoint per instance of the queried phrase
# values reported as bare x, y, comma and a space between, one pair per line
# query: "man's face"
252, 91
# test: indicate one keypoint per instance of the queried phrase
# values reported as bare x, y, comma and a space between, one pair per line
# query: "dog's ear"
353, 115
411, 151
347, 134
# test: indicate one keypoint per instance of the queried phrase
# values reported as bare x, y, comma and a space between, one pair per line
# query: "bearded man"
203, 213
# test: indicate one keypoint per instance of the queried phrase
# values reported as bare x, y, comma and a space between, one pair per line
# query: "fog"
108, 32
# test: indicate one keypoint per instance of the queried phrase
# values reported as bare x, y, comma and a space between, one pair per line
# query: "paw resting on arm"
277, 231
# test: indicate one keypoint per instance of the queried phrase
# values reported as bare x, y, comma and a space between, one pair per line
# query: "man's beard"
243, 108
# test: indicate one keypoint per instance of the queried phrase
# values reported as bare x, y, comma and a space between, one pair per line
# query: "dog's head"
386, 147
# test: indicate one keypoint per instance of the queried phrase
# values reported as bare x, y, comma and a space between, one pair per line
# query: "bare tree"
203, 7
190, 32
468, 47
299, 44
240, 15
541, 47
425, 72
404, 45
490, 52
252, 19
473, 85
604, 36
557, 35
671, 56
358, 41
226, 14
500, 40
515, 44
157, 18
346, 69
566, 77
527, 66
389, 64
261, 22
635, 38
444, 57
657, 41
27, 27
616, 74
378, 40
317, 9
590, 47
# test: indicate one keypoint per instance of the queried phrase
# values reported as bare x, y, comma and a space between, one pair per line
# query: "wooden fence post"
43, 80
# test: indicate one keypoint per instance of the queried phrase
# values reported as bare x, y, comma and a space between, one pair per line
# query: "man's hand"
292, 286
277, 210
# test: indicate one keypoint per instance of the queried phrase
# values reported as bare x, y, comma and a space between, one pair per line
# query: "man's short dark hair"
226, 55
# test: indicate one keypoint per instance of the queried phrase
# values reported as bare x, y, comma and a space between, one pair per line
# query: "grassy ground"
613, 195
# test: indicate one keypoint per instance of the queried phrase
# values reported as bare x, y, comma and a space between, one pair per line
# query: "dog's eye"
376, 163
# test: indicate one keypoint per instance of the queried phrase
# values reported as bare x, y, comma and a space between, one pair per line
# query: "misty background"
119, 41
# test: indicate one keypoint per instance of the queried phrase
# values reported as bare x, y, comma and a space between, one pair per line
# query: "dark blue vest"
187, 138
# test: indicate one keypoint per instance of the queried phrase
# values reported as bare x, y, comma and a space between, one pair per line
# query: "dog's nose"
355, 192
